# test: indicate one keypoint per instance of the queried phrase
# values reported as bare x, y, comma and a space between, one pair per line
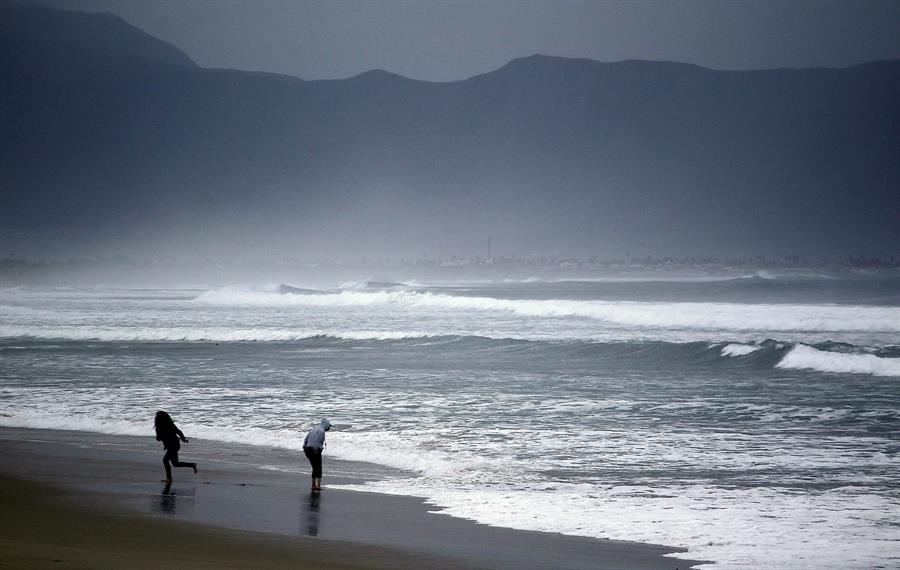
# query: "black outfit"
314, 454
170, 438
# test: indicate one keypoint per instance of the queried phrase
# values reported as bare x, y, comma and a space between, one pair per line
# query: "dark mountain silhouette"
44, 30
112, 138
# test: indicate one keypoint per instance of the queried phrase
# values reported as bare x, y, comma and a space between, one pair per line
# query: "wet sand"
92, 500
43, 527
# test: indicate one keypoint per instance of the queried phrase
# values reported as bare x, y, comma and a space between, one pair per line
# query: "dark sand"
43, 527
95, 501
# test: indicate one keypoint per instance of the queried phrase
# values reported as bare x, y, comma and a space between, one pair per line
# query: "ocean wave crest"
198, 335
668, 315
737, 349
806, 357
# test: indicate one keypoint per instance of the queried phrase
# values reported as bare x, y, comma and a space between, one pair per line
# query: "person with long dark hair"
168, 433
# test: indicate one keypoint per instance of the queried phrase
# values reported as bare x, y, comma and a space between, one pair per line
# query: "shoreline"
44, 526
257, 511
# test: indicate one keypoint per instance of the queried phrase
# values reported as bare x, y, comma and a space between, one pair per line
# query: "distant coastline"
118, 270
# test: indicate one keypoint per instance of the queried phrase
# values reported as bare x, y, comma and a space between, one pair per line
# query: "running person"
168, 433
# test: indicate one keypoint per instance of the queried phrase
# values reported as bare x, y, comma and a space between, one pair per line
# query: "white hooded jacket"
316, 436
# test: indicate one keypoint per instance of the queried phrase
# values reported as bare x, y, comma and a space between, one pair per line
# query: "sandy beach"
44, 527
84, 500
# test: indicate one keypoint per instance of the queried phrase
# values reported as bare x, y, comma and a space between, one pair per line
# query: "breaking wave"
806, 357
824, 357
706, 316
736, 349
197, 335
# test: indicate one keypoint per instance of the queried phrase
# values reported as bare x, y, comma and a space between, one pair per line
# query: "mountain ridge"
91, 32
547, 154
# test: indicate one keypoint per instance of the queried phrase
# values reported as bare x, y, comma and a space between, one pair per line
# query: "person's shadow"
167, 500
312, 514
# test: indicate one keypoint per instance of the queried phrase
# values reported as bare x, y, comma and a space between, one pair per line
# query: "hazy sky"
448, 40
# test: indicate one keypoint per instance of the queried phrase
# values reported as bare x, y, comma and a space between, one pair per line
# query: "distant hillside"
91, 35
113, 139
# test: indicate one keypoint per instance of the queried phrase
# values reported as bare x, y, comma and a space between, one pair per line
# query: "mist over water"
749, 415
723, 415
120, 144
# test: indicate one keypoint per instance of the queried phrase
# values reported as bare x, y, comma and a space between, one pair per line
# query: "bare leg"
172, 456
315, 460
168, 469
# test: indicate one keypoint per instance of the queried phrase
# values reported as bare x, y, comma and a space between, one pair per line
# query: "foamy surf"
807, 357
708, 316
638, 420
735, 349
163, 334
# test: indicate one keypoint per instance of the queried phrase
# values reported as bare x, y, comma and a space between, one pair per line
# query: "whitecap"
807, 357
735, 349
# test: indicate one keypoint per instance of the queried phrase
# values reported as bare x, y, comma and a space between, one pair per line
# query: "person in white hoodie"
312, 448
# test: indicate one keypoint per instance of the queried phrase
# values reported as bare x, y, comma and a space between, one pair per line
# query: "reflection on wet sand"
166, 502
312, 515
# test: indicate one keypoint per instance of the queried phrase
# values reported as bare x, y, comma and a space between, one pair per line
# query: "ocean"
753, 420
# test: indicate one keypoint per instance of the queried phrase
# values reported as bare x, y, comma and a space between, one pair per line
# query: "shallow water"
728, 417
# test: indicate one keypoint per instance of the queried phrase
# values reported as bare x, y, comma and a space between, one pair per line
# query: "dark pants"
171, 456
314, 454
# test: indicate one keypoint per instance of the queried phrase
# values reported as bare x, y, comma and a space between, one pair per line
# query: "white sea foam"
763, 274
133, 334
247, 314
807, 357
784, 530
381, 448
708, 316
22, 311
735, 349
488, 483
490, 445
385, 448
36, 419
